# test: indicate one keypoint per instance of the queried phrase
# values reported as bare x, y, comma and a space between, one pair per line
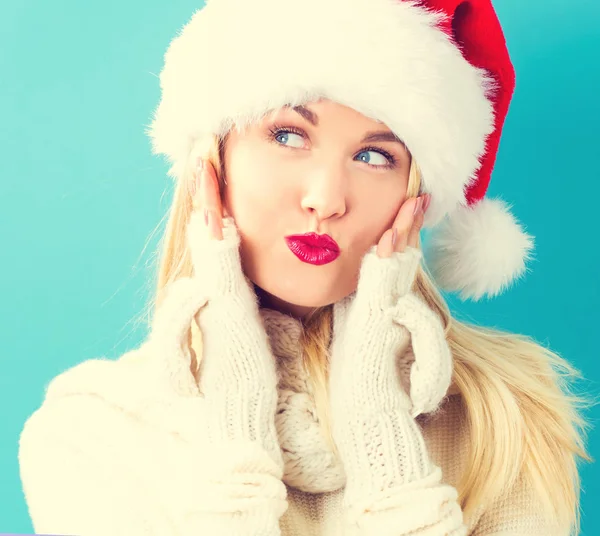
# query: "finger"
403, 223
211, 201
384, 247
413, 235
431, 372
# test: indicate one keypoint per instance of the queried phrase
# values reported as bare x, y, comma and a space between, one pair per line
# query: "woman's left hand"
407, 225
380, 444
374, 326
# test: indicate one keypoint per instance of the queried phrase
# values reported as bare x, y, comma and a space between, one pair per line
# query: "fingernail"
426, 203
418, 205
214, 226
394, 237
206, 216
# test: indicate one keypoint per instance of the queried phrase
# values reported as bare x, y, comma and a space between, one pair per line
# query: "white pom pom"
478, 250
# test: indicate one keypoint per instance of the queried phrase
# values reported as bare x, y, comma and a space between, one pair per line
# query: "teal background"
80, 194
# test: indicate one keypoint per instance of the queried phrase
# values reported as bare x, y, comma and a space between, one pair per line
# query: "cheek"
255, 193
377, 211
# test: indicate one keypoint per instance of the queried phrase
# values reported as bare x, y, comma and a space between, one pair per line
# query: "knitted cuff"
236, 354
381, 451
258, 522
242, 420
263, 523
426, 506
237, 375
241, 494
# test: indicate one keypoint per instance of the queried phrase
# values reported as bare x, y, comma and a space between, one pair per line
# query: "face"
286, 175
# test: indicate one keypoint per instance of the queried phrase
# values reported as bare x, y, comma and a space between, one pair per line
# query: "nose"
324, 193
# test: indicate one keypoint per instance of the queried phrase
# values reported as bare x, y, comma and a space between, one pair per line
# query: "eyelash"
277, 129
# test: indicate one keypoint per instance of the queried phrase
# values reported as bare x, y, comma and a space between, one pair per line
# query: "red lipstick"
313, 248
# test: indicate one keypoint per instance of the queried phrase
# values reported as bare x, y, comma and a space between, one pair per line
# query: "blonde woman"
303, 374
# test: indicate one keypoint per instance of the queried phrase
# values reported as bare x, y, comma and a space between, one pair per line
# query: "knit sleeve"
91, 468
393, 488
422, 506
78, 476
156, 445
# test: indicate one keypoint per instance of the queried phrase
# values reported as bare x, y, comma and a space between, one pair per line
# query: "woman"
292, 389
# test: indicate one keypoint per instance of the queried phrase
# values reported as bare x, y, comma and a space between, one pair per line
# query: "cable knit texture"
139, 445
388, 467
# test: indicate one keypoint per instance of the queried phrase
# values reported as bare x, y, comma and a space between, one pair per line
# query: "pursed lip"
318, 241
313, 248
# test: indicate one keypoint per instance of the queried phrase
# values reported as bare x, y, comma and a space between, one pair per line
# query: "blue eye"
376, 152
279, 132
284, 133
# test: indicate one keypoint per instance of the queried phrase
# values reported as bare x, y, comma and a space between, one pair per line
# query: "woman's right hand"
237, 374
232, 311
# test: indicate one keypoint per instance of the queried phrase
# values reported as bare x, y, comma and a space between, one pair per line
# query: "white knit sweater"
132, 447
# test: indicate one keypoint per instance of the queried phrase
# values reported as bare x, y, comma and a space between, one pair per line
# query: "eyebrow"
381, 135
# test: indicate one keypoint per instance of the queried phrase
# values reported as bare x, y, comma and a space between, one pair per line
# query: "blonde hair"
511, 386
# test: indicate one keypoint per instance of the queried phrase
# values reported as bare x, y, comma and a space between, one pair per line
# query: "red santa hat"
435, 72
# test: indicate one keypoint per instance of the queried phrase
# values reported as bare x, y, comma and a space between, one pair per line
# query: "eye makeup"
277, 129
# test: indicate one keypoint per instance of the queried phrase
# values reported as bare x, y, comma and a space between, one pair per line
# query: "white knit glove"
237, 385
238, 372
373, 424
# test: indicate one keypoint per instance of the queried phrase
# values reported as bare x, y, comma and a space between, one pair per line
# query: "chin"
293, 287
305, 296
307, 300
